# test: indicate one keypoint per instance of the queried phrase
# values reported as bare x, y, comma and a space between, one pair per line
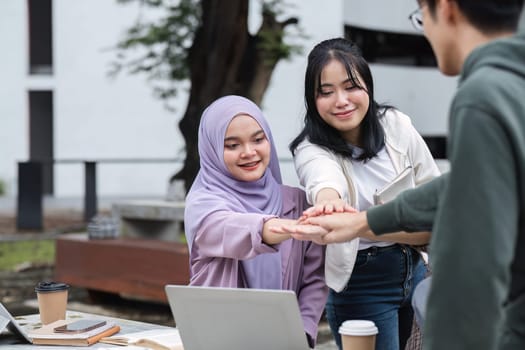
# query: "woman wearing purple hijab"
235, 198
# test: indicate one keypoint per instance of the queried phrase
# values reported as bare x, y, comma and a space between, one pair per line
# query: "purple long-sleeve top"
226, 238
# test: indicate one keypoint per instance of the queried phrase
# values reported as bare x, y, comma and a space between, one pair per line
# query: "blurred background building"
59, 105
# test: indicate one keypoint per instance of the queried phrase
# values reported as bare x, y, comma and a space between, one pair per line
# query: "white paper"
403, 181
128, 347
165, 337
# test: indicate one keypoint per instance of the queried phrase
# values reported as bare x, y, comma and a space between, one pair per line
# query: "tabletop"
28, 322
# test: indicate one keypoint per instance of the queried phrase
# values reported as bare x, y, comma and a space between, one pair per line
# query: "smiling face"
340, 103
246, 149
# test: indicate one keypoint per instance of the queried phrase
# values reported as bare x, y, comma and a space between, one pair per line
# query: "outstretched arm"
413, 210
328, 201
269, 236
333, 228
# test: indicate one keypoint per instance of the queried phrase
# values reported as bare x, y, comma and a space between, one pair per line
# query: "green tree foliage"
207, 43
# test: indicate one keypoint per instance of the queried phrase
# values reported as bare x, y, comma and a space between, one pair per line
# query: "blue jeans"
380, 290
419, 301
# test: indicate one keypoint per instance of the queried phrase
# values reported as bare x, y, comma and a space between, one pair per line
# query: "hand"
327, 207
302, 232
270, 236
336, 228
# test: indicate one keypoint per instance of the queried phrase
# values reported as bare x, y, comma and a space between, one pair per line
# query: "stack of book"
46, 335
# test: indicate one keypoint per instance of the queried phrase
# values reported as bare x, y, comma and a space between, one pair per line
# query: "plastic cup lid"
51, 286
358, 327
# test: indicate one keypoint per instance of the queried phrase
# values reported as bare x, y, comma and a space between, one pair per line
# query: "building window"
392, 48
40, 37
41, 134
437, 146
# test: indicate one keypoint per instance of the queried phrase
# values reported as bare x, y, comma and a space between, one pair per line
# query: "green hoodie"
477, 210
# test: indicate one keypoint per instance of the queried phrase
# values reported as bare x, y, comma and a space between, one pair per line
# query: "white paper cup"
358, 335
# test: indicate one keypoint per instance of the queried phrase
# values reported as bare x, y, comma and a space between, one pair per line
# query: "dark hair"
489, 16
316, 130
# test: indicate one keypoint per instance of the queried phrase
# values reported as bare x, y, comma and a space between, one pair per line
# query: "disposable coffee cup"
358, 335
52, 301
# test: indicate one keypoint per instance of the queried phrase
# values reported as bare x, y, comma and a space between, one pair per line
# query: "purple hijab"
215, 189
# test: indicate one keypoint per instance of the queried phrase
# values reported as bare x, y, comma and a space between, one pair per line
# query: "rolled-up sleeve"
317, 168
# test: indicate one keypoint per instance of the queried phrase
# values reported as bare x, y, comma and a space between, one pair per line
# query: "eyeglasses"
416, 17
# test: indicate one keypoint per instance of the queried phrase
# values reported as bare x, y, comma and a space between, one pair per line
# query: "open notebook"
236, 318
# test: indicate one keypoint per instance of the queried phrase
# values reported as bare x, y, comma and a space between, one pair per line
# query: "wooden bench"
153, 219
131, 267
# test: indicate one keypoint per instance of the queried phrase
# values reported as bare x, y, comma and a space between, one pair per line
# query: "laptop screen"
236, 318
12, 325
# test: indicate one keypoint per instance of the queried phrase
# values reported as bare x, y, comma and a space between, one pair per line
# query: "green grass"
33, 251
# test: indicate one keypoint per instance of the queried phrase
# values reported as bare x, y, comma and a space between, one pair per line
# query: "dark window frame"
392, 48
40, 31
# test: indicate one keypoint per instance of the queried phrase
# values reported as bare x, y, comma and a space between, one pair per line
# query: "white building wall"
96, 117
13, 100
422, 93
384, 15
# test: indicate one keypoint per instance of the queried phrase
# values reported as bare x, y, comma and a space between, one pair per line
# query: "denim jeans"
380, 290
419, 300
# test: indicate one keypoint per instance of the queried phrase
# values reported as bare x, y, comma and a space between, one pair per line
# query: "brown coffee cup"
358, 335
52, 301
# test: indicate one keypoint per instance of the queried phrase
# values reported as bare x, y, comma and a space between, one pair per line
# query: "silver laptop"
7, 320
236, 318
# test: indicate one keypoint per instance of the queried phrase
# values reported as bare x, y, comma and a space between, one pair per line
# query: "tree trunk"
224, 59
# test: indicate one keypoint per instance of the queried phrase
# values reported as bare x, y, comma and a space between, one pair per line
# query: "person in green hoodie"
476, 211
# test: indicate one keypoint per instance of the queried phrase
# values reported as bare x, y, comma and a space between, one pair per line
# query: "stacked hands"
326, 222
334, 221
